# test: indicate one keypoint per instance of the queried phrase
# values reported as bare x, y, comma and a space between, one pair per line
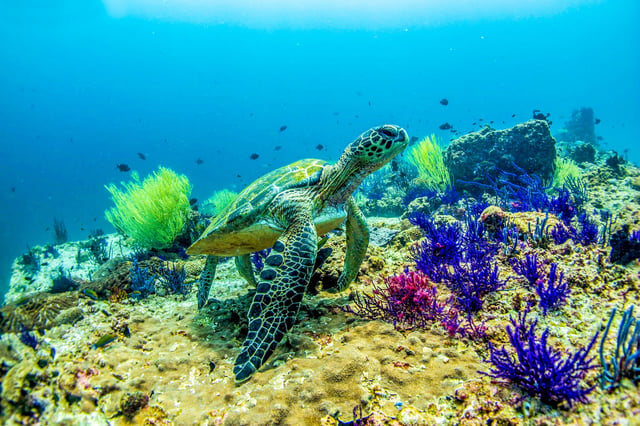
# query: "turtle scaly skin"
287, 209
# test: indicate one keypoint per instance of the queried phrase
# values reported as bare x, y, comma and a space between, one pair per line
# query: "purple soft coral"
539, 369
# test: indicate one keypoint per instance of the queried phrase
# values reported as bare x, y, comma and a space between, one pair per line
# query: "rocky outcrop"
528, 146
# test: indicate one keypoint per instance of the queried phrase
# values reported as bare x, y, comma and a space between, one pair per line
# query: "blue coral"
554, 292
142, 281
527, 268
460, 260
173, 279
539, 369
625, 360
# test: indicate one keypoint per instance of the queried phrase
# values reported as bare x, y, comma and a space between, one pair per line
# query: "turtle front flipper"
245, 269
206, 278
280, 289
357, 242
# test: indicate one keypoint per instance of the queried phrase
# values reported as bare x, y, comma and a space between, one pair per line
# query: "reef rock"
528, 146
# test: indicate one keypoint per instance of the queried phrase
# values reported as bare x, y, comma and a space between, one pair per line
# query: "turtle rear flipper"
280, 289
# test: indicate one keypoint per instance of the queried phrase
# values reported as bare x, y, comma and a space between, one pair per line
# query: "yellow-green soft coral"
564, 168
218, 201
152, 212
426, 156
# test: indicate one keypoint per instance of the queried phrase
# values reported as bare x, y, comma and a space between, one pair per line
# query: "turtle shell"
241, 227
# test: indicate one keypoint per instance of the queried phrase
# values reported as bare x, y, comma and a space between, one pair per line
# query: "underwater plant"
564, 169
217, 202
426, 155
625, 360
538, 368
152, 212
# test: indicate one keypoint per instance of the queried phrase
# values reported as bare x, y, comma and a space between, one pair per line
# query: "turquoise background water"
88, 85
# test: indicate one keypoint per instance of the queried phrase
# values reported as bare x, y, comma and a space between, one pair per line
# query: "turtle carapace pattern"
287, 209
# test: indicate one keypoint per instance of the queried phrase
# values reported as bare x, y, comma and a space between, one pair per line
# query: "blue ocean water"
87, 85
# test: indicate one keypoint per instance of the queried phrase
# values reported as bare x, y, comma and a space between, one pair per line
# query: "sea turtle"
287, 209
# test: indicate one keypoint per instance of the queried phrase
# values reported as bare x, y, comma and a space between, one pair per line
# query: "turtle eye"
390, 133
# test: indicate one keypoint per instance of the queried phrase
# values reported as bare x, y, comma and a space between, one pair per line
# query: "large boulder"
527, 146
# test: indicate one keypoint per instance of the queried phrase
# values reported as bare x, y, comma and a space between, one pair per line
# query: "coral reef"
413, 354
470, 158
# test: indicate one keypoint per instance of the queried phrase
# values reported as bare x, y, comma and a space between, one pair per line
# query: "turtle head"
370, 151
376, 147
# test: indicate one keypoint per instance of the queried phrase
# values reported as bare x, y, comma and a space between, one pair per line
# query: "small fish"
142, 156
444, 101
446, 126
480, 119
599, 138
474, 123
91, 294
277, 147
254, 156
13, 189
369, 103
199, 161
336, 113
238, 176
192, 201
597, 121
123, 167
212, 366
104, 340
413, 139
283, 128
319, 147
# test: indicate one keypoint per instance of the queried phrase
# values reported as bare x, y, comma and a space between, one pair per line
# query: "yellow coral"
564, 168
427, 157
218, 202
152, 212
